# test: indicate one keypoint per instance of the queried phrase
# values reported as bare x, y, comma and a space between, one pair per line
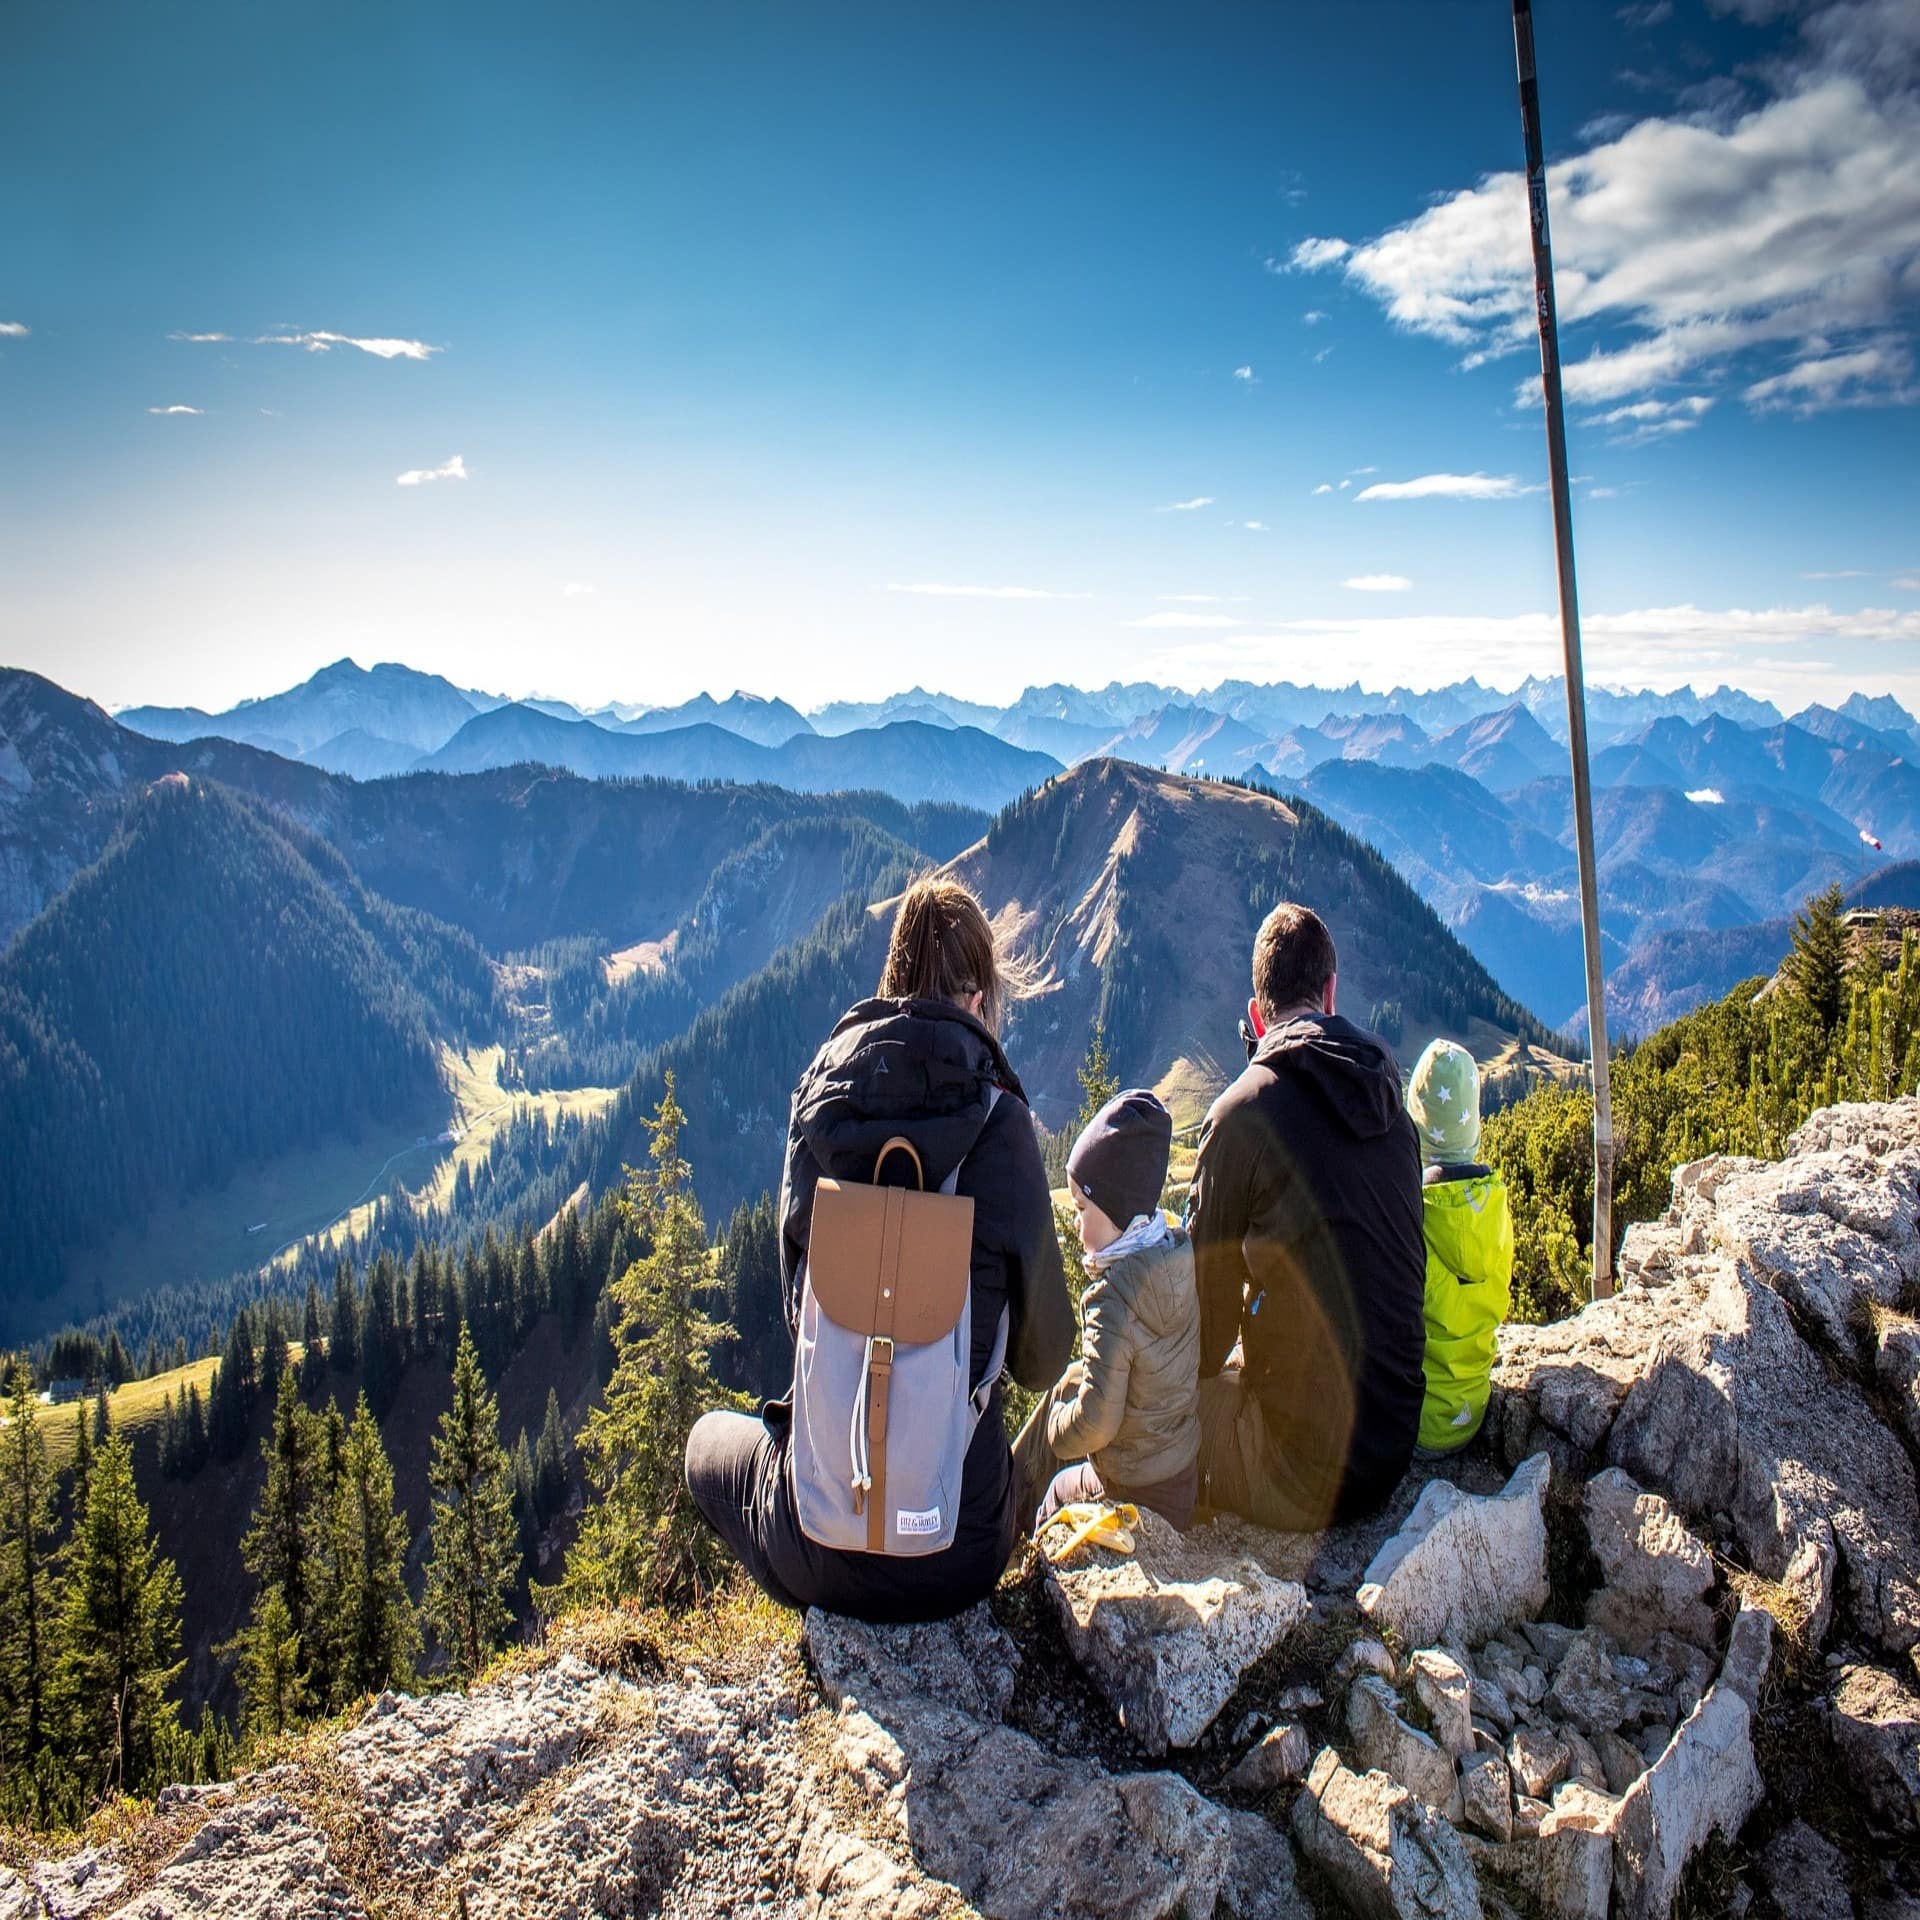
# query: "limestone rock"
72, 1888
1363, 1656
436, 1772
1749, 1653
1464, 1564
1874, 1722
1445, 1689
969, 1662
1259, 1882
1283, 1754
260, 1861
1703, 1389
1539, 1761
1529, 1816
1621, 1762
1584, 1688
1386, 1855
1805, 1874
1166, 1631
1656, 1574
1024, 1833
1897, 1368
1381, 1739
1486, 1795
1705, 1782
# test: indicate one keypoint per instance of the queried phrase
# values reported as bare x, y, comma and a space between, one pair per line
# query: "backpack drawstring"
857, 1448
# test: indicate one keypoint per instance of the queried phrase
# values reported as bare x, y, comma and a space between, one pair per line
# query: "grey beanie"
1120, 1161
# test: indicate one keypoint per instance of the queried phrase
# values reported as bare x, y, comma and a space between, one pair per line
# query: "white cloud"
1252, 526
1643, 421
1447, 486
1310, 255
1245, 375
1603, 493
201, 338
177, 409
1201, 599
455, 469
1345, 484
1706, 796
1379, 583
1192, 622
1787, 229
1325, 486
1357, 472
1870, 376
381, 349
1905, 582
1839, 573
1648, 13
940, 590
576, 590
1312, 317
1198, 501
14, 330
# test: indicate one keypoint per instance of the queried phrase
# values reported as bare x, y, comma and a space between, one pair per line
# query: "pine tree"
283, 1546
343, 1335
1098, 1083
313, 1350
120, 1630
375, 1634
526, 1504
641, 1534
381, 1359
273, 1356
552, 1457
1816, 968
272, 1682
102, 1413
474, 1558
27, 1601
82, 1463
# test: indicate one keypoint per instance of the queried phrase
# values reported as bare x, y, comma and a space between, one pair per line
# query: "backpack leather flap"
888, 1262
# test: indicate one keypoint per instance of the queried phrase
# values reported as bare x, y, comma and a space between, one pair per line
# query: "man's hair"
1293, 959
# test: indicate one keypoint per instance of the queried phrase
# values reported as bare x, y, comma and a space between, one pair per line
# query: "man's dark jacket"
1306, 1219
923, 1068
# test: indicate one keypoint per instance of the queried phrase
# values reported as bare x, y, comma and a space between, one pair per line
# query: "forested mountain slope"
218, 987
1131, 898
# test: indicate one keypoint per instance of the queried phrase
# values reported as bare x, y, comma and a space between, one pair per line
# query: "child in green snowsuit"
1469, 1232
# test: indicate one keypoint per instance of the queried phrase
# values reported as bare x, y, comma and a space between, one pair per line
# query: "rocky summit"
1646, 1649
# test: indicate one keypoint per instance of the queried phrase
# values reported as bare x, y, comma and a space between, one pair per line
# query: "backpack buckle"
880, 1360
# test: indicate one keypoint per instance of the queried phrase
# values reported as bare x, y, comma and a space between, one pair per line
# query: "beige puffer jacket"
1137, 1408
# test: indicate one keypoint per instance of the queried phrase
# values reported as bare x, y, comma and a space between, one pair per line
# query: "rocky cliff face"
1647, 1649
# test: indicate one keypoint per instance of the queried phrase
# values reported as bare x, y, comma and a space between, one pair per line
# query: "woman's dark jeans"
737, 1475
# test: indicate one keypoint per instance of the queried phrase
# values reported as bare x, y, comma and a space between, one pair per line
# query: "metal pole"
1570, 639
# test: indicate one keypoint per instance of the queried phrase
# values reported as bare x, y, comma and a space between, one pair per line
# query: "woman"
921, 1060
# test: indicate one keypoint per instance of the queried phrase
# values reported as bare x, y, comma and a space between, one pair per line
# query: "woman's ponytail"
942, 949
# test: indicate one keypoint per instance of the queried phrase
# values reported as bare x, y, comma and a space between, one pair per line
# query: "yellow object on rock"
1089, 1522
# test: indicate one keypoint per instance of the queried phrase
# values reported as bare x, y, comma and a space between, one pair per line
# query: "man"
1306, 1224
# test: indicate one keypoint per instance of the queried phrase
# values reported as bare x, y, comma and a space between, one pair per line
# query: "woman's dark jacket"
924, 1069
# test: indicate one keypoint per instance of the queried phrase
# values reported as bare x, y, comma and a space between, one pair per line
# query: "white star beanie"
1444, 1101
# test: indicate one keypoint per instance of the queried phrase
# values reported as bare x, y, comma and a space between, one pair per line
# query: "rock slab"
1166, 1631
1464, 1565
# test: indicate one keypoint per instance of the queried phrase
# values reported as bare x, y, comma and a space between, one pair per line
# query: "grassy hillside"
316, 1196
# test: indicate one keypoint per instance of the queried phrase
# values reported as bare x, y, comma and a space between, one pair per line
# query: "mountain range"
1716, 811
180, 915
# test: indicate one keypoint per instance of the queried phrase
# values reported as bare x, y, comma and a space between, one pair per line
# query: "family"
1327, 1306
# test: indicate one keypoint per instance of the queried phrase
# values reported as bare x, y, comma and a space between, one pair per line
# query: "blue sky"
630, 350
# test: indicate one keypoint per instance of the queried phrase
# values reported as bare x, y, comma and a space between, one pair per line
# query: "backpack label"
912, 1523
